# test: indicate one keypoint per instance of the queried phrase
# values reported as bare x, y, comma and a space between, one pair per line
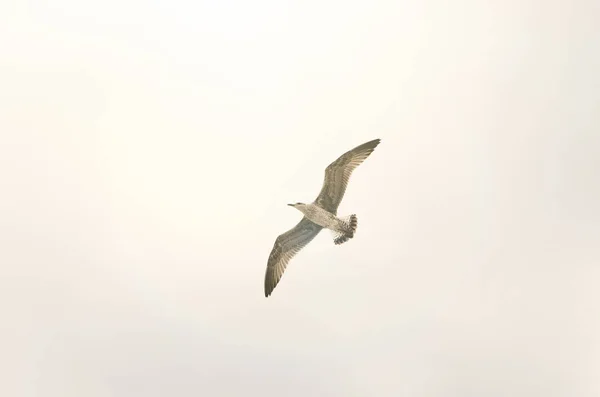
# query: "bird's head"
298, 206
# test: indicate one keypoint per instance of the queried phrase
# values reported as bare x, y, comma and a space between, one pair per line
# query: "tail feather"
350, 224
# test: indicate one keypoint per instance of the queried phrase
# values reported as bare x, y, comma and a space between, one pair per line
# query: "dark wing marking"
286, 246
337, 175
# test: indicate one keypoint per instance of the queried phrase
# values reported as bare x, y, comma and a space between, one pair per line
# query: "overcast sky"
148, 151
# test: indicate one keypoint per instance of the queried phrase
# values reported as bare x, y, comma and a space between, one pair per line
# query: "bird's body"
342, 229
320, 214
321, 217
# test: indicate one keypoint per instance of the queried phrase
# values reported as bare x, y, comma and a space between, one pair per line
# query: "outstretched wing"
286, 246
337, 175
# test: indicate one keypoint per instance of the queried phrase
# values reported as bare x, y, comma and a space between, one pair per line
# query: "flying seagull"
321, 213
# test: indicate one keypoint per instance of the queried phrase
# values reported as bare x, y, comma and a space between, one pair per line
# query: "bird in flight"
321, 213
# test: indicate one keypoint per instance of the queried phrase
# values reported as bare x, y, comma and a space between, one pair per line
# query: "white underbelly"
326, 223
323, 218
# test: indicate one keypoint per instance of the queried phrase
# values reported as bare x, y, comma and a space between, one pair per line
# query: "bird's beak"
291, 205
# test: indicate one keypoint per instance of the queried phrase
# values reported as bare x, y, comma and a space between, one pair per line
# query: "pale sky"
149, 149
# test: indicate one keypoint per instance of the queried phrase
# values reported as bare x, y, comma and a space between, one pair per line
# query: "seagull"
321, 213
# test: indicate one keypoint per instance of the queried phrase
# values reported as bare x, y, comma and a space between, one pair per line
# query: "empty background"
148, 150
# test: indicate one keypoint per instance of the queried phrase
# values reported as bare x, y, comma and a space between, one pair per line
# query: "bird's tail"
349, 225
